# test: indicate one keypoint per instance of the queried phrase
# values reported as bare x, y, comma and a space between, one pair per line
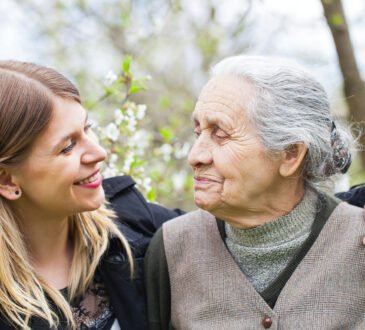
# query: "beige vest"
209, 291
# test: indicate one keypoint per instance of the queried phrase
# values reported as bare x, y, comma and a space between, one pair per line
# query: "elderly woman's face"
233, 172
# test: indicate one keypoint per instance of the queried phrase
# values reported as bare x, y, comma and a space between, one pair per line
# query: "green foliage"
208, 43
150, 157
126, 64
167, 134
165, 102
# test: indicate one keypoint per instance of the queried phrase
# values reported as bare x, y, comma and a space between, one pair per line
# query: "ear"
8, 189
292, 159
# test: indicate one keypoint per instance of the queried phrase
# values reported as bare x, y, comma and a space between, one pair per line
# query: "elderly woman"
266, 248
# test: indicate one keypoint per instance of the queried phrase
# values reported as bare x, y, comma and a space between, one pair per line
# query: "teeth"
89, 180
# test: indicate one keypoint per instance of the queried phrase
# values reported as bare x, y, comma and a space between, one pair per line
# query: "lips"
90, 179
204, 179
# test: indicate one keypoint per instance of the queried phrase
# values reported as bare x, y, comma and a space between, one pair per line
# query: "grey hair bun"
341, 154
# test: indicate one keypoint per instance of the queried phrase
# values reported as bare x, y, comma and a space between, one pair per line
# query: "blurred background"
140, 65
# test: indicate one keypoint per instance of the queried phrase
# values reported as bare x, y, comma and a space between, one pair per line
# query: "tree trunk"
354, 86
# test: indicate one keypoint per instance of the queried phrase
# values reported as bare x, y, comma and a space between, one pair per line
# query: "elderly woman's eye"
197, 132
219, 133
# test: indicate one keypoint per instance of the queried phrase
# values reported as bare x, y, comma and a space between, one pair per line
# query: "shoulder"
137, 219
129, 204
116, 185
198, 218
346, 225
185, 226
194, 226
349, 214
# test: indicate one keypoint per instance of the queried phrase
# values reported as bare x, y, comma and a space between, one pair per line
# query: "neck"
265, 209
50, 247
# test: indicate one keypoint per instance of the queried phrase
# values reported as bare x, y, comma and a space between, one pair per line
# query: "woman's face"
61, 175
233, 173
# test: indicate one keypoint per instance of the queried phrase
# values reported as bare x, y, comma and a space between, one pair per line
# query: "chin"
205, 204
93, 204
92, 207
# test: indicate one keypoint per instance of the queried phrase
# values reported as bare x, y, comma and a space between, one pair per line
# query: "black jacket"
354, 196
138, 221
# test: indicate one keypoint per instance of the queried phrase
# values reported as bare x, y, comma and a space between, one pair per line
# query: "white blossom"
182, 152
110, 78
166, 150
140, 141
130, 112
109, 172
132, 124
112, 132
129, 159
118, 116
146, 184
113, 158
141, 111
178, 180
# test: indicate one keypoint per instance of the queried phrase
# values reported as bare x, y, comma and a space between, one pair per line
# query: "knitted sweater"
263, 252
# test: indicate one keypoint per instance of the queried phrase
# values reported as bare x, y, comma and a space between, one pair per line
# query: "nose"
200, 153
94, 152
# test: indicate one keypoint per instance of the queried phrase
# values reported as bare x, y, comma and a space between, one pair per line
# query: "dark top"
354, 196
138, 220
91, 311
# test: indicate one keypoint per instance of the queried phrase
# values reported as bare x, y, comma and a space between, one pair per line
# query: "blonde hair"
26, 94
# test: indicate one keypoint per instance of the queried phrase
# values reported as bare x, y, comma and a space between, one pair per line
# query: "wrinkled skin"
235, 177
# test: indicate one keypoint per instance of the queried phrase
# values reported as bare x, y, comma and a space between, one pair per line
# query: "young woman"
64, 263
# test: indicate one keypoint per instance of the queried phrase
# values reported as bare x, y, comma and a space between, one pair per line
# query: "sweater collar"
280, 230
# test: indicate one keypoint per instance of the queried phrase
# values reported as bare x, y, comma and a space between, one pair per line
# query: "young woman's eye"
88, 127
69, 148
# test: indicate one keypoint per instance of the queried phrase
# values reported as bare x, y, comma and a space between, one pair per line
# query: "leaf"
136, 86
151, 195
166, 134
127, 63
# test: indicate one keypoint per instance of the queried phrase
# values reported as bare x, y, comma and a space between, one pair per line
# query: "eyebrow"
212, 120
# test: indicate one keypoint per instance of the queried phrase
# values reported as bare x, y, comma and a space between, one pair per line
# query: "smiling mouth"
90, 179
205, 180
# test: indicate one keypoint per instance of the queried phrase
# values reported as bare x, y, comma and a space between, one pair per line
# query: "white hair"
289, 106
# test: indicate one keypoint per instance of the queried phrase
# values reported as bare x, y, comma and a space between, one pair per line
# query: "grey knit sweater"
263, 252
